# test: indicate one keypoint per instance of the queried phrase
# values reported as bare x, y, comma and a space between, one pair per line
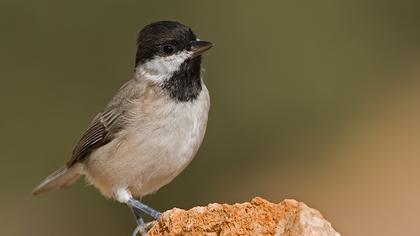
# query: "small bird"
151, 129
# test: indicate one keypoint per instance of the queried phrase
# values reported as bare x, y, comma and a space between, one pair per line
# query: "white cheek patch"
160, 68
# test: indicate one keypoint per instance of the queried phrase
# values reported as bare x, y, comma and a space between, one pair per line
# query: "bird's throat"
185, 84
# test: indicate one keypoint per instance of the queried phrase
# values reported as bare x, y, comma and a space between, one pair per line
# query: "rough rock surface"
258, 217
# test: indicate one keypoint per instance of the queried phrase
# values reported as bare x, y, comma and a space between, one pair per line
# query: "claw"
139, 229
144, 228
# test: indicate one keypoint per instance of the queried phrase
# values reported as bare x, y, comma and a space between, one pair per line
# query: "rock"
258, 217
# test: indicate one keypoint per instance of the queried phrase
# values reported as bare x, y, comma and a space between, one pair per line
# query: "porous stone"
258, 217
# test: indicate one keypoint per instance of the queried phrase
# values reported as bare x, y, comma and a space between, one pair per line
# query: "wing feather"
108, 123
100, 132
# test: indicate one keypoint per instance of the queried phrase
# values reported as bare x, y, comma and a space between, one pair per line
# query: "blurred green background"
313, 100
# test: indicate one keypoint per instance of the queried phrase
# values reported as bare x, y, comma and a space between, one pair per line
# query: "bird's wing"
100, 132
106, 124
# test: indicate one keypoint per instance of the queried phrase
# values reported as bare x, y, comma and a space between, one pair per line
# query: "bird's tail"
61, 178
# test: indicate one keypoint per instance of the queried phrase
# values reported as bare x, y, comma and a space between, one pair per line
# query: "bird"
151, 129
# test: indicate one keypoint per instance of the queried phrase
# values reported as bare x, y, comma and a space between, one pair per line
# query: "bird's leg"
141, 226
123, 195
144, 208
137, 215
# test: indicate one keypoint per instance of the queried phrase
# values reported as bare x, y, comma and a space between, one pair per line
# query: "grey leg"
144, 208
138, 207
137, 215
123, 195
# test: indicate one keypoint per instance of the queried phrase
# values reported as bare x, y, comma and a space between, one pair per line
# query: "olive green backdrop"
312, 100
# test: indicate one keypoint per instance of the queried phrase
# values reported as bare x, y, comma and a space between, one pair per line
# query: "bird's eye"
168, 49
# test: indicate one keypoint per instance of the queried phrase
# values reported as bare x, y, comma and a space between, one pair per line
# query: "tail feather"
61, 178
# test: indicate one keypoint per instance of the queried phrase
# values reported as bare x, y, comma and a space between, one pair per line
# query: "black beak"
198, 47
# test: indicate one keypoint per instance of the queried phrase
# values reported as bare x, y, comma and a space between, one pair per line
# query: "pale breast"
159, 142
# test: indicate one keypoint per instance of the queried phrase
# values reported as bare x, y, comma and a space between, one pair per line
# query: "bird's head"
165, 48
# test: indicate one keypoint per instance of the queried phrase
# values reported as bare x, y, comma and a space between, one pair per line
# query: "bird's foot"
142, 229
138, 207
